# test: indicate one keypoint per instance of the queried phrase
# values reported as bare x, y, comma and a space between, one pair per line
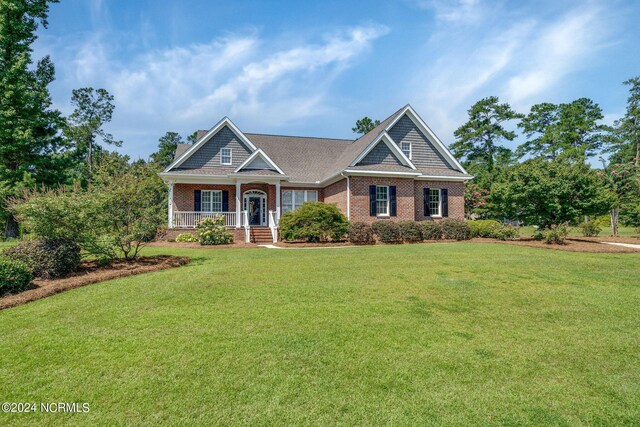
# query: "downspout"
348, 195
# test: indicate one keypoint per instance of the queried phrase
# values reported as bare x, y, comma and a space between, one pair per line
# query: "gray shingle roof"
311, 160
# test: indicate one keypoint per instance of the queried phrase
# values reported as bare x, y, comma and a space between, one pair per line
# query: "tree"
623, 182
31, 151
544, 193
568, 130
93, 109
166, 149
477, 140
191, 139
626, 131
365, 125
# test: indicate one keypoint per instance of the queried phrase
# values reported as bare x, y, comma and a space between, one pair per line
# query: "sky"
312, 68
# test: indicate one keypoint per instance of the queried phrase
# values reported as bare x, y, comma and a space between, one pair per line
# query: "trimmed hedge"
15, 276
314, 222
492, 229
431, 230
186, 238
360, 233
47, 258
387, 231
411, 231
456, 229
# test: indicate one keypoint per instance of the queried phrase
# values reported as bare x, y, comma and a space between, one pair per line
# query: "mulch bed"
196, 245
573, 244
90, 272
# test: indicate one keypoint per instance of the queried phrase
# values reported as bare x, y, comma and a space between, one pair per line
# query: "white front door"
255, 203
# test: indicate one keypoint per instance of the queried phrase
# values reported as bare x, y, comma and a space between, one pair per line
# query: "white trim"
411, 113
230, 156
238, 210
410, 149
211, 200
439, 215
444, 178
306, 198
278, 202
264, 156
226, 121
388, 199
381, 173
264, 201
384, 136
170, 222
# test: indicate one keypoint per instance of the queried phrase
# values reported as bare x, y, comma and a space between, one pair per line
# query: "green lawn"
428, 334
575, 231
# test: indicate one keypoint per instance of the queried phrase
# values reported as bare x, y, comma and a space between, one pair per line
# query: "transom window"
382, 200
293, 199
225, 156
406, 149
211, 201
434, 202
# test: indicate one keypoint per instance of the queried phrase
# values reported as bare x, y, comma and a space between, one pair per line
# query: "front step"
260, 235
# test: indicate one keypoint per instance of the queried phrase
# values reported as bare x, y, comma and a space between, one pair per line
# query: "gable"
257, 164
381, 154
208, 155
423, 152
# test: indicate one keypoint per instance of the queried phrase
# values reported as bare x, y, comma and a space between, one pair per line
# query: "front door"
255, 203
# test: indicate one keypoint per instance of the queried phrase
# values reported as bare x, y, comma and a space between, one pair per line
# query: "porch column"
170, 210
277, 200
238, 205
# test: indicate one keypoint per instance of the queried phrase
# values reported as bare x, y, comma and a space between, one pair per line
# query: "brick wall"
336, 193
360, 198
456, 198
183, 195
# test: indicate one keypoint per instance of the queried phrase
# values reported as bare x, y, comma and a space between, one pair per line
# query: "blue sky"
313, 68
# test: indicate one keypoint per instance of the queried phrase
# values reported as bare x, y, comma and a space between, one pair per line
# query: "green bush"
556, 234
186, 238
212, 231
431, 230
360, 233
456, 229
47, 258
411, 231
314, 222
590, 228
387, 231
489, 228
15, 276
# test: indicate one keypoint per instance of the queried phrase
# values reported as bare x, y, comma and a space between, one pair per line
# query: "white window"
406, 149
382, 201
225, 156
211, 201
434, 202
293, 199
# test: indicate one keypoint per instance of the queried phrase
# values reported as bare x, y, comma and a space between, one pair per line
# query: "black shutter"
372, 201
444, 193
225, 201
425, 199
392, 201
196, 200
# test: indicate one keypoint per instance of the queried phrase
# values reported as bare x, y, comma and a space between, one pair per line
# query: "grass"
427, 334
576, 232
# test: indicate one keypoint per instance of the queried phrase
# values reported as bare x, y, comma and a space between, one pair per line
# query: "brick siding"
456, 198
336, 194
360, 198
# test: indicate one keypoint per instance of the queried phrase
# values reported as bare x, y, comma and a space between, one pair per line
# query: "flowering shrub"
186, 238
212, 231
475, 199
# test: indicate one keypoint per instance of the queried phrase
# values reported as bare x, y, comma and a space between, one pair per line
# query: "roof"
313, 160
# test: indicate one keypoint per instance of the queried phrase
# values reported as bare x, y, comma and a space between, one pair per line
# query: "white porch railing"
189, 219
273, 225
245, 224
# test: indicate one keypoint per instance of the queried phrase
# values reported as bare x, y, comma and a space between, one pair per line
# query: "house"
398, 171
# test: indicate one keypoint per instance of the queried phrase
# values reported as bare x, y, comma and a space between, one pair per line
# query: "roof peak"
298, 136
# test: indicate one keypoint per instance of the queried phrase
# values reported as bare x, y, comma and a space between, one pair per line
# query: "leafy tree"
543, 193
30, 148
365, 125
166, 149
477, 140
568, 130
93, 109
623, 182
626, 131
191, 139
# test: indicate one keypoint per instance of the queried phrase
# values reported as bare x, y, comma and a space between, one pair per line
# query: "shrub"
637, 230
212, 231
431, 230
387, 231
492, 229
186, 238
411, 231
15, 276
360, 234
556, 234
47, 258
314, 222
590, 228
455, 229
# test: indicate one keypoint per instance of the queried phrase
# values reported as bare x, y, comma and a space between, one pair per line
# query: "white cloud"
455, 11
